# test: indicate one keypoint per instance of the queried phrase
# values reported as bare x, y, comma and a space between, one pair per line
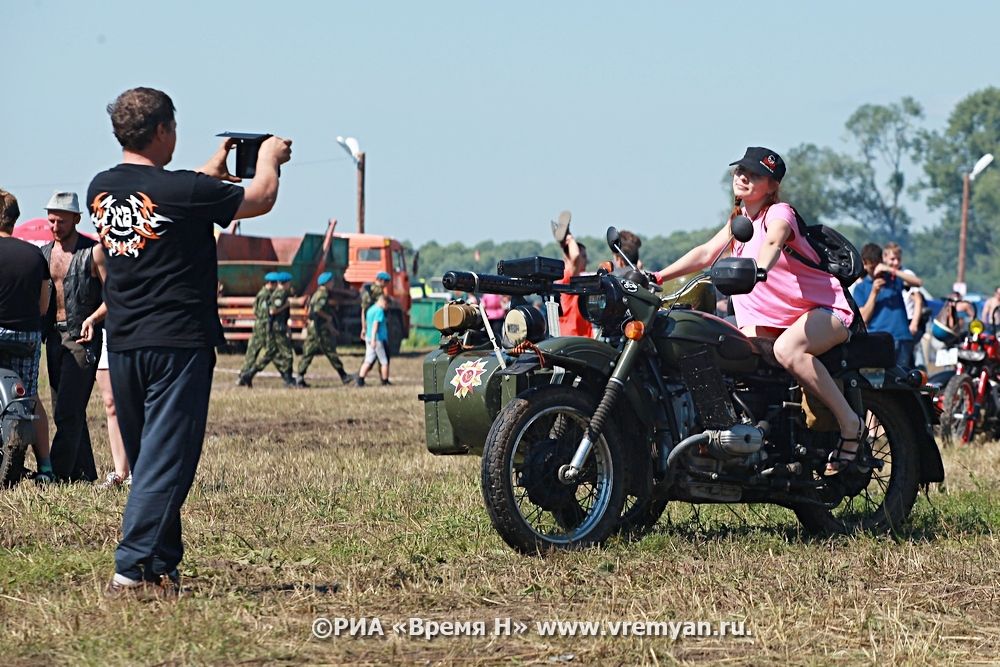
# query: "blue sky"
480, 120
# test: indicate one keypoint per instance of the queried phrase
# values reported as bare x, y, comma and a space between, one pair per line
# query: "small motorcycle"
585, 438
970, 403
17, 414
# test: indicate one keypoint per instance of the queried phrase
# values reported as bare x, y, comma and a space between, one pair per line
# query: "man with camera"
880, 298
157, 229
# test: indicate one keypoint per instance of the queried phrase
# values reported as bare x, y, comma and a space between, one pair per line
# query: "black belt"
62, 326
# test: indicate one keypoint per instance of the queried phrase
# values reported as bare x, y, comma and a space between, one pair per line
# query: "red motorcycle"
971, 399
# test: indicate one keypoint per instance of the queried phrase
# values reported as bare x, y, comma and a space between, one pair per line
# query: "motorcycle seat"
864, 350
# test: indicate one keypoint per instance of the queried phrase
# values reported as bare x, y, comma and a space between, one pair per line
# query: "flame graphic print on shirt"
126, 226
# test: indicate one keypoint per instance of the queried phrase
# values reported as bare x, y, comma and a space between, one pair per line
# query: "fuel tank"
682, 332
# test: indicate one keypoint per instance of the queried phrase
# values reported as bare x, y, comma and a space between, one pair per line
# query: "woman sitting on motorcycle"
803, 309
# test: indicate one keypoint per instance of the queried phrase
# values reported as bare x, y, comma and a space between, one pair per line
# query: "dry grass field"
325, 503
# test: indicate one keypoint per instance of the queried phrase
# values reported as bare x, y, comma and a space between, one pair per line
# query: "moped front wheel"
530, 440
958, 414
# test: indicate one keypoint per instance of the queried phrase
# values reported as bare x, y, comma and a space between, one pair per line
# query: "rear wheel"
881, 499
958, 413
531, 439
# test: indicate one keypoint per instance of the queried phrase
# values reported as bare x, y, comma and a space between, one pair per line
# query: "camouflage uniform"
321, 336
279, 344
258, 339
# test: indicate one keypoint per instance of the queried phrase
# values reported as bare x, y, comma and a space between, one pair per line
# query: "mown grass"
325, 503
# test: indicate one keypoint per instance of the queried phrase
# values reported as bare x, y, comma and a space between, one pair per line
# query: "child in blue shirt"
376, 341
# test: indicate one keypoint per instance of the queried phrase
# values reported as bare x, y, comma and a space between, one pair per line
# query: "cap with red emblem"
763, 161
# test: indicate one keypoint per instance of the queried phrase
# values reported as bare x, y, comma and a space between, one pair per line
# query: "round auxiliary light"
976, 327
523, 323
635, 330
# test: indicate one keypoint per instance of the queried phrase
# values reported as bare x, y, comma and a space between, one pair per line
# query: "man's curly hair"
9, 211
136, 114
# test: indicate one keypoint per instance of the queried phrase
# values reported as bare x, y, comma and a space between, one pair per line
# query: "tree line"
864, 192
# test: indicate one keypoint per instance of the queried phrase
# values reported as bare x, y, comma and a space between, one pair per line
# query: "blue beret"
271, 276
382, 275
284, 276
324, 278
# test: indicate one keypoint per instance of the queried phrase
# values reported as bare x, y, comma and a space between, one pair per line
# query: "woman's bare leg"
114, 433
796, 348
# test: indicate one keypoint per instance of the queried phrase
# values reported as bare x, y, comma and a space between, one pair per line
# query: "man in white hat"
73, 340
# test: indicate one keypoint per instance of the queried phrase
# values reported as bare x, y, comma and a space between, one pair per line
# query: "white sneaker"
113, 481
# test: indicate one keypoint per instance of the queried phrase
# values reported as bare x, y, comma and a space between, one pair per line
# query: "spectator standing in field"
377, 341
24, 299
321, 336
121, 475
258, 337
157, 227
879, 296
913, 299
75, 335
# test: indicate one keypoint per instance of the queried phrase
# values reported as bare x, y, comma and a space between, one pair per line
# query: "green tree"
973, 129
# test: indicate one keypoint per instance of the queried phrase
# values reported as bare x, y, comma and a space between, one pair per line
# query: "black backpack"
837, 255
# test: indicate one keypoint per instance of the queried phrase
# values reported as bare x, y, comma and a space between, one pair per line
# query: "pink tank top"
792, 288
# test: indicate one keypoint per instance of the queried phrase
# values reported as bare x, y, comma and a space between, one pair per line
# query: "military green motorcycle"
585, 438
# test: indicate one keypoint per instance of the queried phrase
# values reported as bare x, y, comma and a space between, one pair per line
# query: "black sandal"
838, 460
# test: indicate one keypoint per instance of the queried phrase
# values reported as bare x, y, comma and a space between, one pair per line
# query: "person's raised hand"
878, 284
216, 166
276, 149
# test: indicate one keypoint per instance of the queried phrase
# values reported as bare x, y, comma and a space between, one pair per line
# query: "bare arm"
868, 307
260, 197
262, 193
696, 258
43, 297
918, 307
778, 232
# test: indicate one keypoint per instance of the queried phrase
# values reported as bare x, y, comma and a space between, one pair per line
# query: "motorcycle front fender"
592, 360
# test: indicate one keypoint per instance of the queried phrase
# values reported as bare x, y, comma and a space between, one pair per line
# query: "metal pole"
964, 228
361, 193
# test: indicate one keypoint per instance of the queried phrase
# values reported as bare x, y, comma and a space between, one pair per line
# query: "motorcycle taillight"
19, 390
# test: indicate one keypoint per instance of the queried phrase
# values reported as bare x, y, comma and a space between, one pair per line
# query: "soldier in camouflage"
279, 344
322, 333
258, 339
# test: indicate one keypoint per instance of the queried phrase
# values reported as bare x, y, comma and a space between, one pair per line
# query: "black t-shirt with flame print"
157, 229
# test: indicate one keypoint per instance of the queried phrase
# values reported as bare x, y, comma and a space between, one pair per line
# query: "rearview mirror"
742, 228
613, 238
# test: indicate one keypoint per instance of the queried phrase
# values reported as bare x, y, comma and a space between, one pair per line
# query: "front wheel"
880, 500
958, 410
532, 437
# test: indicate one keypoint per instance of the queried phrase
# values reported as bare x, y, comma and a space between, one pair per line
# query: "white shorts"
102, 364
377, 351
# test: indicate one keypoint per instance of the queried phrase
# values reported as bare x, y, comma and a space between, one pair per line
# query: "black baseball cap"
763, 161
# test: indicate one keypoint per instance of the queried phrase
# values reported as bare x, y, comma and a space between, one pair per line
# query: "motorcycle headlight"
522, 323
976, 327
607, 306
